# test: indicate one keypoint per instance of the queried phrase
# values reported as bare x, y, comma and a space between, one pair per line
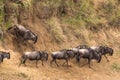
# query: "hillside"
61, 24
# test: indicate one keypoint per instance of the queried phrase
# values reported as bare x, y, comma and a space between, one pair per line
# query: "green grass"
1, 13
116, 67
1, 19
79, 16
83, 13
22, 75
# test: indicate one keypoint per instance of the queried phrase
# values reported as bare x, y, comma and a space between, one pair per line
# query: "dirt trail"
100, 71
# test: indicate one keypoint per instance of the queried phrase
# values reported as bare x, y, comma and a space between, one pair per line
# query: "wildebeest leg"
22, 62
89, 62
77, 59
106, 58
0, 64
51, 61
56, 63
1, 59
66, 61
36, 63
42, 62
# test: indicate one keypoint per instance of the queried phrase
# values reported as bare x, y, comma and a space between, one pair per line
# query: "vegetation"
1, 19
116, 67
83, 13
1, 13
75, 17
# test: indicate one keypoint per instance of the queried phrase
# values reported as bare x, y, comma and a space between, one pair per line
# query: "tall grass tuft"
56, 30
116, 67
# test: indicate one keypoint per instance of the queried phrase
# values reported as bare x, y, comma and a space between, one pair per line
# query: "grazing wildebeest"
21, 31
36, 55
4, 55
88, 54
103, 50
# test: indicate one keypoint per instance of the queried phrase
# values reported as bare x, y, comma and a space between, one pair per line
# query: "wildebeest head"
109, 51
6, 55
29, 35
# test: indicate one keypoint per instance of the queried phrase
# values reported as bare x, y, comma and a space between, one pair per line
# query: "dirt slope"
9, 70
50, 32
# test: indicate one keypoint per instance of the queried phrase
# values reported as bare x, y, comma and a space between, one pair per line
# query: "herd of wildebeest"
81, 51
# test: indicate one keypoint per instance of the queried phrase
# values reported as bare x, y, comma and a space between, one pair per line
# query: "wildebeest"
88, 54
22, 32
35, 55
62, 55
103, 50
4, 55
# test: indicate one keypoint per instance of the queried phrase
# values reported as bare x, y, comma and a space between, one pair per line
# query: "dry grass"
56, 30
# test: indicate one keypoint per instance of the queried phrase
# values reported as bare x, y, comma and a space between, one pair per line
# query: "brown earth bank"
9, 70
